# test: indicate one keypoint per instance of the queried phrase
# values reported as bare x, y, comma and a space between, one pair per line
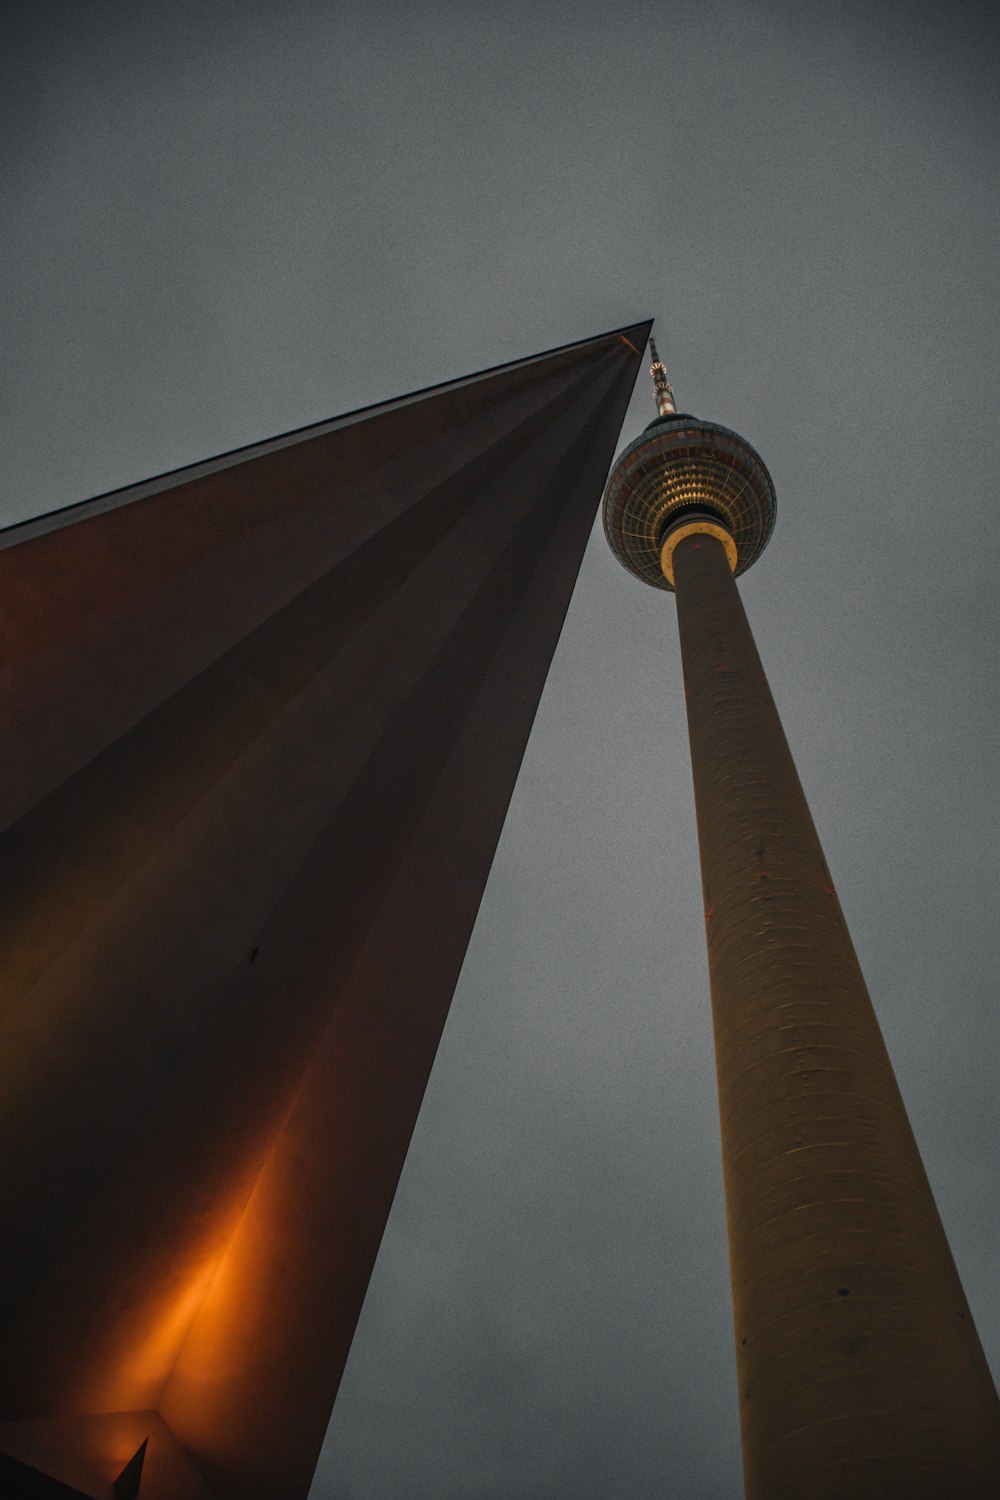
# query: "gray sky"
225, 220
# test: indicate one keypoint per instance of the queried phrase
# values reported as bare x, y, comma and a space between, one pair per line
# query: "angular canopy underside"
262, 719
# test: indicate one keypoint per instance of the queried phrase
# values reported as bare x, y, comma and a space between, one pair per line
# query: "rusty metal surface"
861, 1375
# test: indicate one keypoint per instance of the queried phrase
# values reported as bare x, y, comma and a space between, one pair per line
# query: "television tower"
860, 1370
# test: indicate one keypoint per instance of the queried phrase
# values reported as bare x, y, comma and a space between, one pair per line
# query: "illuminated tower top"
682, 475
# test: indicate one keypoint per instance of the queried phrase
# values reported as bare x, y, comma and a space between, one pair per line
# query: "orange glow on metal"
149, 1364
195, 733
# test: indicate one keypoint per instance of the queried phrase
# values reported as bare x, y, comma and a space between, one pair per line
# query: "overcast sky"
221, 221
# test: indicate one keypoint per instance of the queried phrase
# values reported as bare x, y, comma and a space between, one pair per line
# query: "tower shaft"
860, 1371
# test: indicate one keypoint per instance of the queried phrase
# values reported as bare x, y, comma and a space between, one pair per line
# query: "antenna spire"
662, 389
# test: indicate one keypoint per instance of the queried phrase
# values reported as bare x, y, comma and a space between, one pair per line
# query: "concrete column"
860, 1371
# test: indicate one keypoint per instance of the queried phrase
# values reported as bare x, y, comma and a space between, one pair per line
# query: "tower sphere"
681, 467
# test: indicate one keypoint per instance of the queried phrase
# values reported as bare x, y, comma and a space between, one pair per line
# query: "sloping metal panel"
261, 725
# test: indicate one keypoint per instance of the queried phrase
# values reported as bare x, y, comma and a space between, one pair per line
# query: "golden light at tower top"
683, 473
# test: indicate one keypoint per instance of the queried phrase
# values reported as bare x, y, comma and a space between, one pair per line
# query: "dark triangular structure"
262, 720
127, 1484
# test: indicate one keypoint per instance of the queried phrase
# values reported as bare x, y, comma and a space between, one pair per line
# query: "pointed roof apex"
662, 389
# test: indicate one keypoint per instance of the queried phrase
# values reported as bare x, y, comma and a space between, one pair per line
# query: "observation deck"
683, 467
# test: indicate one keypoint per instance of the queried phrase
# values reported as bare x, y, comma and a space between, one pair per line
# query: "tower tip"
663, 391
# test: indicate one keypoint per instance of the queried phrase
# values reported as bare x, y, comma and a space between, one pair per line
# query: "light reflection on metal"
662, 389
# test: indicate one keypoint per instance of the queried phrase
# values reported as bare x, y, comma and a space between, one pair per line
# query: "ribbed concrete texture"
261, 721
861, 1376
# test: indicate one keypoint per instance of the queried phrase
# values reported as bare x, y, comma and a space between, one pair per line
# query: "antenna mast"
662, 389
